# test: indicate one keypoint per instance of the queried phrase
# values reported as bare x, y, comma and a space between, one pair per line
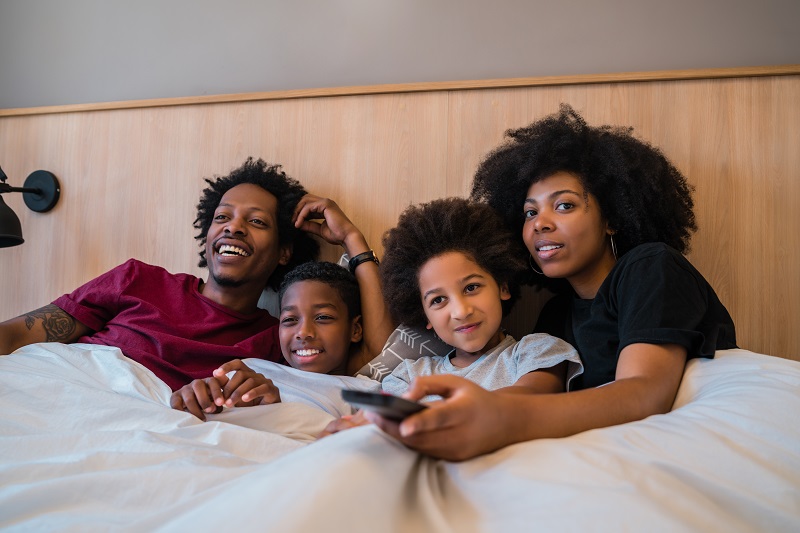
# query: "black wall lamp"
40, 192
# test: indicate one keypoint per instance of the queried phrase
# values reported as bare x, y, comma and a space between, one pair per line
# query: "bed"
89, 443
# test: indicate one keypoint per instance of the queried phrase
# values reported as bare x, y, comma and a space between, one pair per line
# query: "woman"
606, 219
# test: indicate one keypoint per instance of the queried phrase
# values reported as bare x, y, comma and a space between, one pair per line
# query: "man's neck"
242, 299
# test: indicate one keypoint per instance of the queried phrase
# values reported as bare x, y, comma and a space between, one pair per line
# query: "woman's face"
566, 234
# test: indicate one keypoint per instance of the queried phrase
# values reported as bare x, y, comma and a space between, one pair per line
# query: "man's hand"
335, 227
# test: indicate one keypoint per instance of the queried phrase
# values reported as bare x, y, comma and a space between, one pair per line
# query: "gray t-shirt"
500, 367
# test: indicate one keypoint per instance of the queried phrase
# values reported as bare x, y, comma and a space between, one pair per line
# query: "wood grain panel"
131, 177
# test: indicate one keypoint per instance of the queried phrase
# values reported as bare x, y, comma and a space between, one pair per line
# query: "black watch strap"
363, 257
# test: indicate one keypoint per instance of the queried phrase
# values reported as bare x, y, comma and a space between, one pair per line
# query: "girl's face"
566, 234
463, 303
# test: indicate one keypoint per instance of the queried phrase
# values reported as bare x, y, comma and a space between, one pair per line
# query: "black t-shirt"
652, 295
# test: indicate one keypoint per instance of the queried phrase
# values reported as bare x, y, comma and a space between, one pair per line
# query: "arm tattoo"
58, 324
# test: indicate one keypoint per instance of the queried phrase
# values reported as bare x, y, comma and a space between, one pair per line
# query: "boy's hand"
245, 388
199, 397
343, 423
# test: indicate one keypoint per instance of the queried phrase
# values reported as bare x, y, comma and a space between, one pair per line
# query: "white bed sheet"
88, 443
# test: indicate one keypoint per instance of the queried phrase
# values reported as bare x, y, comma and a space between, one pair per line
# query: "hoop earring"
613, 247
530, 261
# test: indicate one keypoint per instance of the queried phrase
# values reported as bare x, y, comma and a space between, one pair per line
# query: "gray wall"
55, 52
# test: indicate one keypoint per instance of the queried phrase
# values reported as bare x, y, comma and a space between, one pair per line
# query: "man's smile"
227, 249
232, 247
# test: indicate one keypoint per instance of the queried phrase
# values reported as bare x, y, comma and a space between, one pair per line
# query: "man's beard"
227, 282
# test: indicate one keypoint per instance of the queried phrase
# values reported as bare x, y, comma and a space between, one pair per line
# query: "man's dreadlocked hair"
285, 189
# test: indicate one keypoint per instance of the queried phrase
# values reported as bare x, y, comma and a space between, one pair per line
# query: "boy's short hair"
331, 274
429, 230
285, 189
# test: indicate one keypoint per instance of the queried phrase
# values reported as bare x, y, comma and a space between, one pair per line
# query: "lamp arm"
41, 190
7, 188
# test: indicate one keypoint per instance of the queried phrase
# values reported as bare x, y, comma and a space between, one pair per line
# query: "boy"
320, 328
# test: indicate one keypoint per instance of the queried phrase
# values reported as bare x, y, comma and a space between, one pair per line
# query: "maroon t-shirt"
163, 322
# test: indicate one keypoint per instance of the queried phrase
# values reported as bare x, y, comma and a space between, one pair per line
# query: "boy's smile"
463, 304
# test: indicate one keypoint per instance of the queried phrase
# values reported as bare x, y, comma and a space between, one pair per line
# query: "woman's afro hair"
641, 194
285, 189
429, 230
331, 274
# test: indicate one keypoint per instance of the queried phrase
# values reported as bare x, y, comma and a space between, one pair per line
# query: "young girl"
610, 216
452, 266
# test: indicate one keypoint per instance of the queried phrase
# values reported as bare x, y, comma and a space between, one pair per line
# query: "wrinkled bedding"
88, 443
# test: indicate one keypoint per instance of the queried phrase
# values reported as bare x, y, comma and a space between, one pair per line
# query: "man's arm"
46, 324
375, 317
336, 228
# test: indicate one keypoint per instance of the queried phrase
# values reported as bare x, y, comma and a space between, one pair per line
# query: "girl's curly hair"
641, 194
428, 230
285, 189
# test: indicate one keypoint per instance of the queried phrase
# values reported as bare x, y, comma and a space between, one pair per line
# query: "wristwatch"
363, 257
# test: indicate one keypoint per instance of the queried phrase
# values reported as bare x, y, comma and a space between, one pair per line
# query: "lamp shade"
10, 228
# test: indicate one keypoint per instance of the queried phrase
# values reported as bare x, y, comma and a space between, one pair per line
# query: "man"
254, 226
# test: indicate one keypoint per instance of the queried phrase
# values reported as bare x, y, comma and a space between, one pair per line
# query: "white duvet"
88, 443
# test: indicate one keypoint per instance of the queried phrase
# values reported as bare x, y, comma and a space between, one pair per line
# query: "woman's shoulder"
651, 251
652, 257
652, 265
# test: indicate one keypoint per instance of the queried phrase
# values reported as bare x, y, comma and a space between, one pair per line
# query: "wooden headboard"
131, 172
